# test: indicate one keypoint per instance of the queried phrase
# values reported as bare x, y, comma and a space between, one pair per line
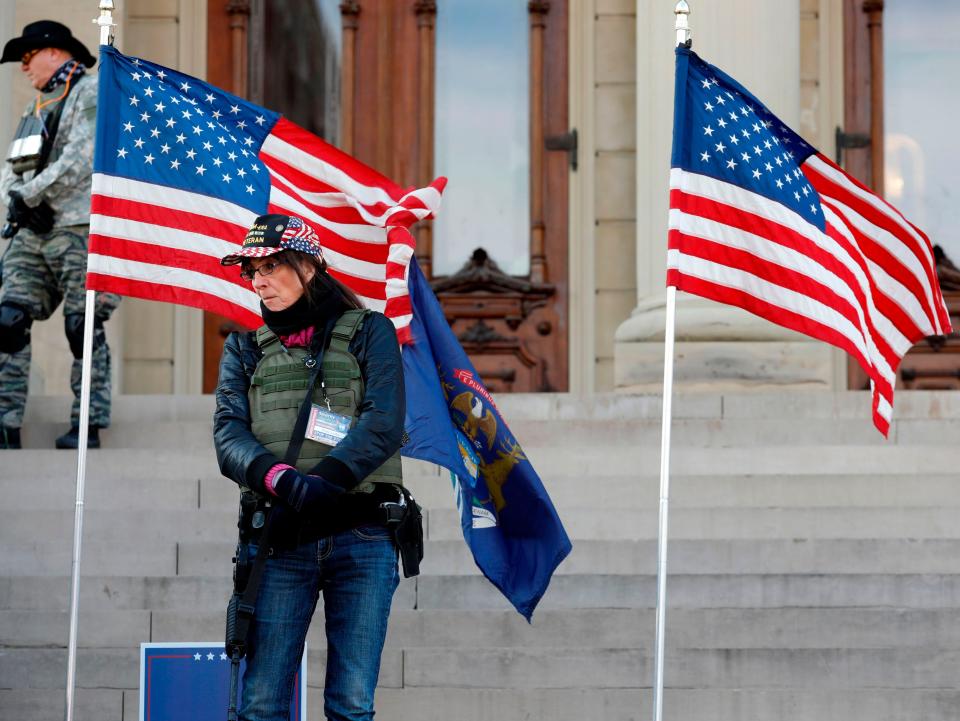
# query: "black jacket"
376, 436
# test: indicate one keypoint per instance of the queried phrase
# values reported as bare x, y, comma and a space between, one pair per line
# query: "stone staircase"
815, 567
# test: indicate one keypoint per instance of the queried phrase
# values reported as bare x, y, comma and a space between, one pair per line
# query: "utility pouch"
404, 520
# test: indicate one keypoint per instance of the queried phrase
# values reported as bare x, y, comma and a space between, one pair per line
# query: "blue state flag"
508, 520
191, 682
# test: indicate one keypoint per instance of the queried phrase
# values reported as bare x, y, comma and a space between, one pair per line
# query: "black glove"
39, 219
305, 493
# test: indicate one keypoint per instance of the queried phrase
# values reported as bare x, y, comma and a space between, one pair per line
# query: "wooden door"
862, 145
504, 290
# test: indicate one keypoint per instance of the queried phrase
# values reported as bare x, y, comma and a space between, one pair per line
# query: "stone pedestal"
718, 348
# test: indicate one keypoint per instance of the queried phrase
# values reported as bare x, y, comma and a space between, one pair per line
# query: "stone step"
741, 628
515, 407
582, 524
469, 704
559, 667
443, 558
631, 704
786, 556
197, 435
153, 466
585, 591
52, 491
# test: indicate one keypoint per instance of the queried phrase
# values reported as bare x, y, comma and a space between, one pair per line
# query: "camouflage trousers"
40, 272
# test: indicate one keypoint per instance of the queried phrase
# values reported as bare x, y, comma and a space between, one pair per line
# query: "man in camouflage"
47, 188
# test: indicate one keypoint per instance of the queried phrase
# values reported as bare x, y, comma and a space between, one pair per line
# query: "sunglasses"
249, 273
29, 55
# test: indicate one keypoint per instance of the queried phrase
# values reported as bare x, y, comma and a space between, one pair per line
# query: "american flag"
761, 220
181, 170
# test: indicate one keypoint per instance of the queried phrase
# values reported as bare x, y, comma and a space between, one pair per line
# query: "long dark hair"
322, 284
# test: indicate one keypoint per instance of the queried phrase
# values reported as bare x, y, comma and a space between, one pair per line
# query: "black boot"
71, 439
9, 437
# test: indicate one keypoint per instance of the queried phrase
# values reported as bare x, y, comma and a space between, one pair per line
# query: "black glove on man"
39, 219
305, 493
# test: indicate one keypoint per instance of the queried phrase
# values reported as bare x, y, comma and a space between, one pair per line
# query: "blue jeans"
357, 573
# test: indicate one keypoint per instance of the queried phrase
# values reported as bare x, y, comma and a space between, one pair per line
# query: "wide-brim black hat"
46, 34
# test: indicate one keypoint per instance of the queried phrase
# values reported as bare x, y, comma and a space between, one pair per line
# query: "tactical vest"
279, 384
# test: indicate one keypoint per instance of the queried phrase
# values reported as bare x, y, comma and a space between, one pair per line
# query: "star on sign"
223, 656
210, 657
196, 657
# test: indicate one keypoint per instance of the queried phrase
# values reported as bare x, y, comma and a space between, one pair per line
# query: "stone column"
718, 347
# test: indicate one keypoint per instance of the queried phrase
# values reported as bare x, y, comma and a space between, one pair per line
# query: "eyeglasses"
28, 56
265, 269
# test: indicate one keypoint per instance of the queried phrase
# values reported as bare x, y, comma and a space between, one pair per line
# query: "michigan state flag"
507, 517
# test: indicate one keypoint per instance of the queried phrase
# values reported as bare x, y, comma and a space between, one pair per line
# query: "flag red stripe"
164, 256
785, 318
831, 190
307, 183
310, 144
805, 285
166, 217
173, 294
775, 233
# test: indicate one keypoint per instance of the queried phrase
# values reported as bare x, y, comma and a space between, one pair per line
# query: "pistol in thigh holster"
404, 519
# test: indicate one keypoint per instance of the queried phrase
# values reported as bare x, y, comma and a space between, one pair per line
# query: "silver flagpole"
106, 24
682, 10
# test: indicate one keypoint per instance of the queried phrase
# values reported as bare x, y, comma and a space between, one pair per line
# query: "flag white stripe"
743, 200
779, 255
174, 276
893, 289
904, 297
163, 236
775, 295
173, 199
323, 171
352, 232
841, 179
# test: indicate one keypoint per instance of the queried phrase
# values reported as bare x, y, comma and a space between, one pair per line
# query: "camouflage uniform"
40, 271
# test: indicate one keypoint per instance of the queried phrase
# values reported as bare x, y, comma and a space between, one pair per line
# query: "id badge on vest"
326, 426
